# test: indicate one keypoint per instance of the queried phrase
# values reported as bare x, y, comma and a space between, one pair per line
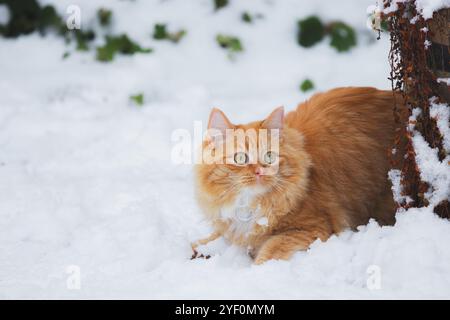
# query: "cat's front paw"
196, 255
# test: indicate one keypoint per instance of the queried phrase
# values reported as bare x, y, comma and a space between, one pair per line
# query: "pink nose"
258, 171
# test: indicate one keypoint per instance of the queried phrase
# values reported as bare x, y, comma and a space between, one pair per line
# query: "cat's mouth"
252, 186
263, 181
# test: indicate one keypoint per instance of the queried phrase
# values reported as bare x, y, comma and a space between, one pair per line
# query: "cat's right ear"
219, 121
275, 120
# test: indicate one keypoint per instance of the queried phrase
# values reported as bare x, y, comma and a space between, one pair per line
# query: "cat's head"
261, 157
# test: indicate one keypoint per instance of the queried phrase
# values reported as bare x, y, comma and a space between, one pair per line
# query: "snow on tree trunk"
420, 70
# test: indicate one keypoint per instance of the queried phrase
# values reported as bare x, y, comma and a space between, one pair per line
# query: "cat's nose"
258, 171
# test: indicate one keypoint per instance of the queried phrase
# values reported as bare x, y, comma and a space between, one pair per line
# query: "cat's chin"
257, 189
254, 190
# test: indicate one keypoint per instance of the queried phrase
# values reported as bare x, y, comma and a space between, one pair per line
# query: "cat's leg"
282, 246
204, 241
216, 234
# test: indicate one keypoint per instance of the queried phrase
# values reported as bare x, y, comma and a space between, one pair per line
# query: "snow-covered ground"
86, 178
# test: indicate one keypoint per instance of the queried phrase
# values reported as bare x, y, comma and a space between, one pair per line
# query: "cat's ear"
219, 121
275, 119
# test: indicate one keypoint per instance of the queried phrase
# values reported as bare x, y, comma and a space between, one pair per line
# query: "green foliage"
83, 38
104, 17
138, 99
160, 33
310, 31
118, 44
246, 17
50, 19
306, 85
384, 24
233, 44
27, 16
343, 36
219, 4
379, 23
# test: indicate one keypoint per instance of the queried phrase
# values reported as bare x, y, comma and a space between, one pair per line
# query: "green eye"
270, 157
240, 158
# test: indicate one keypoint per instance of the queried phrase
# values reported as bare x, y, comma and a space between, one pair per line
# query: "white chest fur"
244, 213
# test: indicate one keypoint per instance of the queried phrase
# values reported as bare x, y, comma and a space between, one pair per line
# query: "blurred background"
229, 52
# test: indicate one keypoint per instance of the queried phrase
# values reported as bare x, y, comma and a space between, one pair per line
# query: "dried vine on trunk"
411, 76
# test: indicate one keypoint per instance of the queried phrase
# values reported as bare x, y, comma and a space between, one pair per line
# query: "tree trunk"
419, 56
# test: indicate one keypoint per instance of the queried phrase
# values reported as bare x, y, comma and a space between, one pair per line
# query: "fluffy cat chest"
244, 218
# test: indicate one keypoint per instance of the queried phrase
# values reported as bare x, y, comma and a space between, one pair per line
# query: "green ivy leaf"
219, 4
310, 31
306, 85
233, 44
138, 99
160, 33
119, 44
104, 16
246, 17
27, 16
343, 37
83, 38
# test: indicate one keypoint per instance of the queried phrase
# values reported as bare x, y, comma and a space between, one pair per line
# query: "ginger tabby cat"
331, 174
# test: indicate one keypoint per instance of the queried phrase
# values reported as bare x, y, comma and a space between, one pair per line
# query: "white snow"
433, 171
444, 80
4, 14
394, 176
441, 112
86, 178
426, 8
263, 221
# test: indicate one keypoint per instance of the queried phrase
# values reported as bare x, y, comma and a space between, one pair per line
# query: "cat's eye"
240, 158
270, 157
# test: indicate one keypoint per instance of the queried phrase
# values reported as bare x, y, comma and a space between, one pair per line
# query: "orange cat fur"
332, 175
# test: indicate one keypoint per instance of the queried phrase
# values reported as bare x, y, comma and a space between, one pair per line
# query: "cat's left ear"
219, 121
275, 120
